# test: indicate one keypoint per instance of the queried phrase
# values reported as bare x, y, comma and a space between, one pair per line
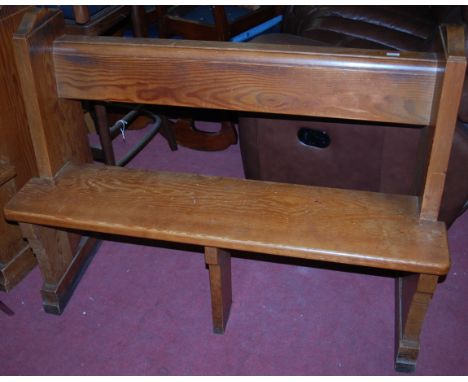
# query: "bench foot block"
63, 258
413, 295
219, 265
55, 297
218, 330
403, 366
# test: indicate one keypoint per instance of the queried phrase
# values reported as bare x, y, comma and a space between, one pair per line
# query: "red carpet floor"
145, 310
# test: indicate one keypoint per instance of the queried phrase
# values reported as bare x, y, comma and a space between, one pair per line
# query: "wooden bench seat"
342, 226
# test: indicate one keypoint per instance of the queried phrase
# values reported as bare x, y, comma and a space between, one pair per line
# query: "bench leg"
413, 295
62, 259
219, 265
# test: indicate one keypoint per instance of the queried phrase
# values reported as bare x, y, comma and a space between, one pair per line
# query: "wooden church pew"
394, 232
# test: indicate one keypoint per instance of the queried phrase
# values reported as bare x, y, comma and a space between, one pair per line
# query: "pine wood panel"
11, 242
219, 265
360, 228
57, 125
17, 162
413, 295
7, 172
307, 81
59, 135
445, 122
15, 142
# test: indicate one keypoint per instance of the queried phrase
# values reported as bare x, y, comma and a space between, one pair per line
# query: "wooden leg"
219, 264
104, 133
413, 295
60, 262
139, 23
168, 133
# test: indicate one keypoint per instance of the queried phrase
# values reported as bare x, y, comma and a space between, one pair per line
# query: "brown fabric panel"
338, 31
367, 22
456, 184
399, 160
250, 148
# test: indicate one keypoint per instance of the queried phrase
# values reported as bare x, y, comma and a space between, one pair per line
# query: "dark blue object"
204, 14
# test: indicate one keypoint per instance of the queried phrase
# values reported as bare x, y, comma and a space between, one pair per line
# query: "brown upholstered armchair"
353, 154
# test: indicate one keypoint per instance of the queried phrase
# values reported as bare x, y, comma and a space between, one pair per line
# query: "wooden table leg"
413, 295
219, 264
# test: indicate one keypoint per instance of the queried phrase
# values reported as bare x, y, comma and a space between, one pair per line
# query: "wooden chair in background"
97, 20
209, 23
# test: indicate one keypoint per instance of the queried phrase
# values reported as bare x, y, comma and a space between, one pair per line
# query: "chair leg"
413, 295
104, 134
168, 133
139, 22
219, 265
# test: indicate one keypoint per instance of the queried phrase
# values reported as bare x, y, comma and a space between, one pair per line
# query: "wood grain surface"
413, 295
219, 266
56, 125
16, 258
352, 227
309, 81
17, 162
443, 129
7, 172
15, 142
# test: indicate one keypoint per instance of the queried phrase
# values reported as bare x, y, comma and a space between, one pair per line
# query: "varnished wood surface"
15, 140
307, 81
61, 265
219, 265
11, 242
7, 11
446, 113
12, 272
16, 258
100, 22
57, 125
342, 226
7, 172
81, 13
413, 295
17, 162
